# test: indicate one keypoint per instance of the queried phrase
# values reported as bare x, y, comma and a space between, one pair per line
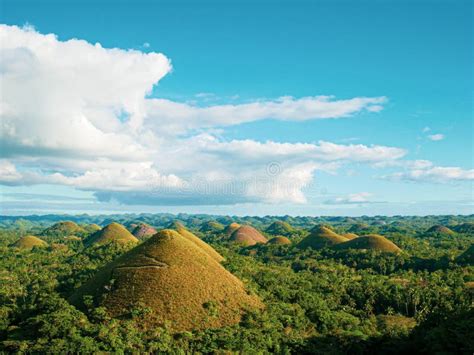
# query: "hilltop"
29, 242
175, 278
231, 228
211, 226
181, 229
350, 236
321, 237
467, 228
112, 233
280, 228
63, 229
467, 257
370, 242
247, 235
440, 230
279, 241
143, 230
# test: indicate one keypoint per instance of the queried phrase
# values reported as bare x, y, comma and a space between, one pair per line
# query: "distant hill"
63, 229
439, 229
349, 236
247, 235
175, 278
467, 257
211, 227
143, 230
370, 242
91, 228
112, 233
177, 226
321, 237
280, 228
279, 241
467, 228
231, 228
29, 242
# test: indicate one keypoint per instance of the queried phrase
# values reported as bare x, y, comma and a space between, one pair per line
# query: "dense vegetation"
323, 300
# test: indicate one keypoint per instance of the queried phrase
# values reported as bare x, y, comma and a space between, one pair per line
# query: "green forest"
162, 283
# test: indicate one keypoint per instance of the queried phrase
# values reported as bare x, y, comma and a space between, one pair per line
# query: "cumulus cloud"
355, 198
437, 174
436, 137
77, 114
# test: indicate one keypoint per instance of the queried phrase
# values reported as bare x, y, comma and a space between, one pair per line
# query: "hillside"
321, 237
63, 229
143, 230
247, 235
279, 241
29, 242
280, 228
439, 230
370, 242
211, 227
171, 275
112, 233
198, 241
467, 257
467, 228
349, 236
231, 228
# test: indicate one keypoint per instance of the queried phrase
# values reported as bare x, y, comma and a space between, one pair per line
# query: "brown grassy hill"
279, 241
29, 242
211, 226
439, 229
171, 275
231, 228
196, 240
247, 235
73, 238
91, 228
467, 257
63, 228
371, 242
321, 237
112, 233
143, 230
350, 236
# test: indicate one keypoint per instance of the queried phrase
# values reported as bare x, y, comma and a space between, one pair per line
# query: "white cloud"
355, 198
77, 114
436, 174
436, 137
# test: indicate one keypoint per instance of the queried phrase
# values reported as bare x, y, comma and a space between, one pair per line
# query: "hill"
63, 229
247, 235
321, 237
91, 228
280, 228
196, 240
467, 257
211, 227
350, 236
467, 228
175, 278
143, 230
231, 228
279, 241
370, 242
440, 230
112, 233
29, 242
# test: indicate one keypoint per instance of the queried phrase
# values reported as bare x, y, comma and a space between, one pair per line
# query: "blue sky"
417, 55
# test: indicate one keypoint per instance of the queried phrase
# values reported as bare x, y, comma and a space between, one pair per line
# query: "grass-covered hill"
247, 235
321, 237
112, 233
143, 230
280, 228
279, 240
176, 279
29, 242
231, 228
211, 227
64, 229
439, 230
370, 242
181, 229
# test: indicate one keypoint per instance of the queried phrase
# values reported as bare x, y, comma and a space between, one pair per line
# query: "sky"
237, 107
